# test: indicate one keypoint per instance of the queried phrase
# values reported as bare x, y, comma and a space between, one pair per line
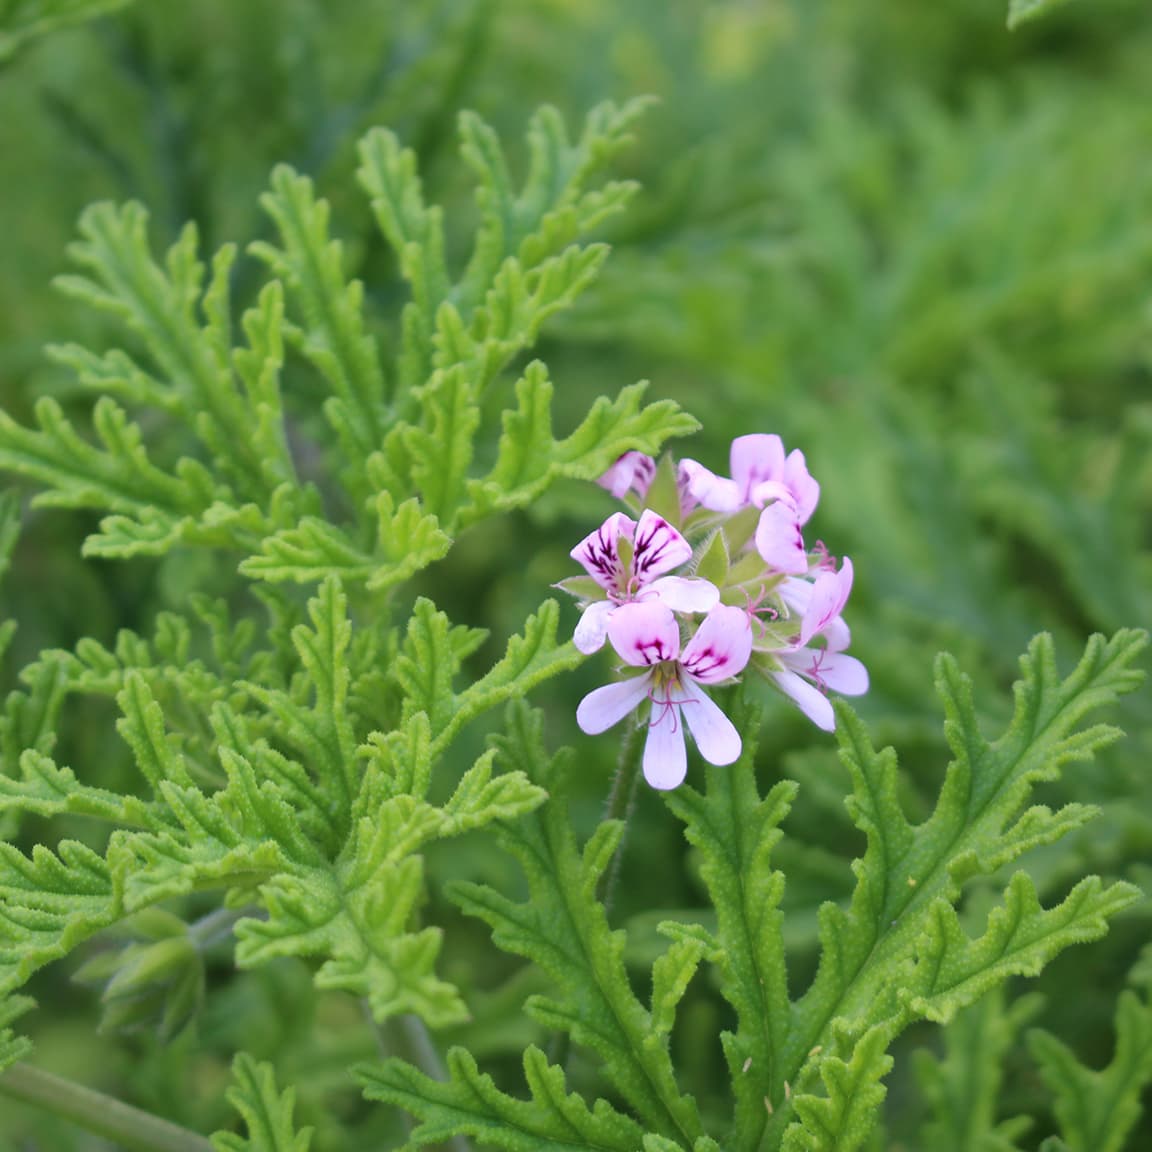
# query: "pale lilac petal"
837, 635
606, 706
644, 633
805, 491
796, 594
754, 459
714, 733
714, 492
592, 630
684, 595
767, 491
665, 758
721, 646
829, 595
632, 472
688, 502
830, 670
599, 552
813, 703
778, 539
658, 548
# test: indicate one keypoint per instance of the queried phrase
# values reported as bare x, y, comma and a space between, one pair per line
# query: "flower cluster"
711, 578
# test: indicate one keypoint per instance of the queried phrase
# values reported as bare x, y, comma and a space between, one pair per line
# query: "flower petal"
829, 595
813, 703
599, 552
606, 706
714, 733
683, 595
706, 488
754, 459
632, 472
778, 539
721, 646
592, 629
830, 670
665, 758
805, 491
658, 548
644, 633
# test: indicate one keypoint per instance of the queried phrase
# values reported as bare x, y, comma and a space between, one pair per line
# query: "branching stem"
128, 1127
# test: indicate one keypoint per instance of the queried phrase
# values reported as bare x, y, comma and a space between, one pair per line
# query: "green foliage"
24, 20
12, 1047
1098, 1109
267, 1112
1021, 11
807, 1075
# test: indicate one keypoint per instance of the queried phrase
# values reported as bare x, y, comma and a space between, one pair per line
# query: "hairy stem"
105, 1116
620, 806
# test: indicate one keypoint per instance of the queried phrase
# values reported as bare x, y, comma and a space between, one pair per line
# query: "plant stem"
103, 1115
620, 806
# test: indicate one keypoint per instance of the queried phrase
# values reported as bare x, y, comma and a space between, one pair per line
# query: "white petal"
714, 492
844, 674
683, 595
657, 548
599, 710
721, 646
714, 733
813, 703
837, 635
644, 633
592, 630
665, 760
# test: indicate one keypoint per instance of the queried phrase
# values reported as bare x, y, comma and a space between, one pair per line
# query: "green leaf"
1021, 11
13, 1047
469, 1103
1098, 1109
266, 1111
25, 22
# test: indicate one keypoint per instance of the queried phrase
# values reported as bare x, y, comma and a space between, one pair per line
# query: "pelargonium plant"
714, 580
298, 735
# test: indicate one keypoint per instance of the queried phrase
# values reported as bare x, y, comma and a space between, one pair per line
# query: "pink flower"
762, 477
634, 572
632, 472
820, 605
646, 635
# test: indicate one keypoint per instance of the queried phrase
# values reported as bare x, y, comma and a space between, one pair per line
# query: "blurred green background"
916, 245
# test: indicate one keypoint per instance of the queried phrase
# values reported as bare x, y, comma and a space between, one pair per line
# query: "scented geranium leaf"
962, 1086
407, 540
530, 460
161, 305
49, 903
12, 1046
910, 876
45, 789
333, 335
952, 971
416, 233
563, 928
470, 1104
266, 1111
671, 974
735, 832
842, 1120
1098, 1109
1021, 11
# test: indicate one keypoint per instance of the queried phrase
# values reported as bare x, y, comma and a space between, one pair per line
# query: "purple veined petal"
754, 459
599, 551
665, 757
644, 633
714, 733
688, 502
805, 491
685, 595
813, 703
606, 706
829, 595
712, 491
721, 646
657, 548
778, 539
592, 630
631, 472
